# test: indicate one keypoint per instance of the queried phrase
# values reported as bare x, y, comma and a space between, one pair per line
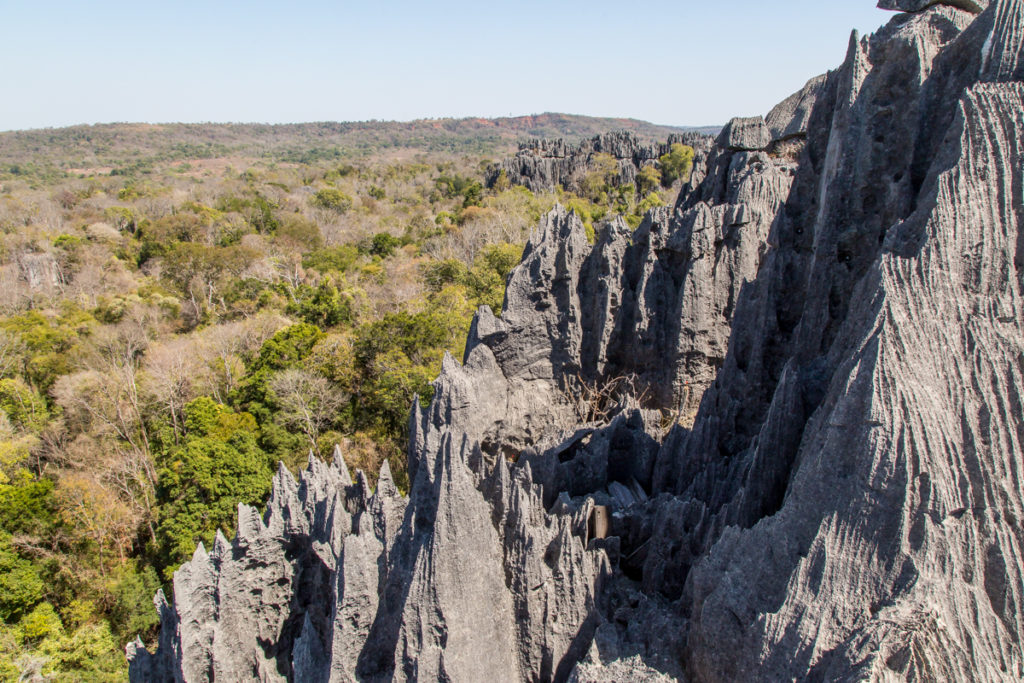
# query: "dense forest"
184, 307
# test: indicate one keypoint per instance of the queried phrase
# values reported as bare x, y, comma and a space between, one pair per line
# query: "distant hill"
123, 146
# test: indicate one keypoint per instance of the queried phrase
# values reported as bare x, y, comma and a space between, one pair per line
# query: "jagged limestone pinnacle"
796, 395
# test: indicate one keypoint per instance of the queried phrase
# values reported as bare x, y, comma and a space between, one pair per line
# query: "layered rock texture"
776, 433
543, 165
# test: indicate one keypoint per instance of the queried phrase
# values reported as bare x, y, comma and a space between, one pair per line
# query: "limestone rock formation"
789, 118
41, 272
775, 433
543, 165
748, 134
921, 5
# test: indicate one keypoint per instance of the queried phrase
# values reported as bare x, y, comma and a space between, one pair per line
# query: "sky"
676, 63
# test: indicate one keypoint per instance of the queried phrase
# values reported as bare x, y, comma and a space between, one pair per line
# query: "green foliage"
439, 274
23, 405
208, 214
472, 195
287, 347
257, 210
218, 466
397, 358
189, 263
382, 244
68, 243
51, 342
27, 505
132, 588
246, 296
309, 156
412, 334
601, 171
300, 231
11, 652
204, 417
588, 213
649, 202
622, 198
82, 546
278, 442
324, 306
40, 623
676, 164
486, 280
469, 189
502, 183
332, 259
333, 199
397, 381
648, 179
123, 218
21, 586
89, 654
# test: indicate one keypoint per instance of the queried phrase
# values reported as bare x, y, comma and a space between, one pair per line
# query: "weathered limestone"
789, 118
543, 165
745, 135
975, 6
842, 323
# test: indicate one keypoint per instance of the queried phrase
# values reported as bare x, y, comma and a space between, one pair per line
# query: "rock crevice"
775, 433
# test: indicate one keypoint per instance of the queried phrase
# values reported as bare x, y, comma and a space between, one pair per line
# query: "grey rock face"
975, 6
40, 271
789, 118
828, 434
745, 134
846, 503
543, 165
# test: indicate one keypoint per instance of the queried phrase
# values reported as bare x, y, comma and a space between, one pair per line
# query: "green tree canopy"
333, 199
218, 466
23, 405
676, 164
21, 587
648, 179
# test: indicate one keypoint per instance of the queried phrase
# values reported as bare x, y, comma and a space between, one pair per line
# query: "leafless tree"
172, 371
105, 400
308, 402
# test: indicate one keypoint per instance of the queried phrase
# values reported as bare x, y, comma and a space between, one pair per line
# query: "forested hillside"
183, 307
123, 148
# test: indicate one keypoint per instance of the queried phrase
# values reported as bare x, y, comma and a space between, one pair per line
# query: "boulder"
789, 118
744, 134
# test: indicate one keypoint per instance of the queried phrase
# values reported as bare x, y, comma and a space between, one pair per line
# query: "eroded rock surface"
543, 165
745, 134
921, 5
789, 118
840, 320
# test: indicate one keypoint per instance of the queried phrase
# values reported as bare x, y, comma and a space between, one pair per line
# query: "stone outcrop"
748, 134
775, 433
40, 271
789, 118
921, 5
543, 165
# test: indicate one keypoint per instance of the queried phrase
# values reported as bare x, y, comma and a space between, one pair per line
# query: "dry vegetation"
173, 324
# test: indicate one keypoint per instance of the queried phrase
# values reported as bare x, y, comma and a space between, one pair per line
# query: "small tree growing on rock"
676, 164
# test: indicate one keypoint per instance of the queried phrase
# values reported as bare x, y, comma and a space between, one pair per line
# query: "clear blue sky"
673, 62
